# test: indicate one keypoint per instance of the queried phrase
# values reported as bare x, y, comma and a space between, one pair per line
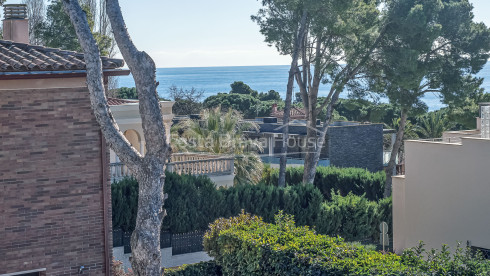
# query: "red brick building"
55, 216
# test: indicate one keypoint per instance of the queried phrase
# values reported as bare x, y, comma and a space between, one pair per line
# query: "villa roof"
20, 57
294, 114
115, 101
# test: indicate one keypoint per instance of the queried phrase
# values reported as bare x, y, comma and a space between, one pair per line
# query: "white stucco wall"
445, 195
127, 117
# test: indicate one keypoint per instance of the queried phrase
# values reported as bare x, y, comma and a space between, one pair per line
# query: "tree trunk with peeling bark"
394, 153
310, 170
289, 95
149, 169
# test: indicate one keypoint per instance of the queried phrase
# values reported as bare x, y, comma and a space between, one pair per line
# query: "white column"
271, 146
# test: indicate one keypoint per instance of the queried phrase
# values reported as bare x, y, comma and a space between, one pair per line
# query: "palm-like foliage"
432, 125
410, 131
222, 133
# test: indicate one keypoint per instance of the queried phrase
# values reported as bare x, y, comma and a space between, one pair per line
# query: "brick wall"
358, 146
51, 193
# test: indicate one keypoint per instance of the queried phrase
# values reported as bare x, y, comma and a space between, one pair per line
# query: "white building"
220, 169
444, 196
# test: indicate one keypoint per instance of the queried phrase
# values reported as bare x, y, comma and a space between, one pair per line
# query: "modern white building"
444, 196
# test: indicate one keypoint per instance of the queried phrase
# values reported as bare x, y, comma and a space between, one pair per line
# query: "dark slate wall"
358, 146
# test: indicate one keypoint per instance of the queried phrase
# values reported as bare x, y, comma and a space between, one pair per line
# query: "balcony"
211, 165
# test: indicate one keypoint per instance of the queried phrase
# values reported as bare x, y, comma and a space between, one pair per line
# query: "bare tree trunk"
394, 153
149, 170
321, 140
311, 161
35, 11
311, 147
289, 95
313, 83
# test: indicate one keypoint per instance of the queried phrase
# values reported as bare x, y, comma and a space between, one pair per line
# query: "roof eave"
59, 74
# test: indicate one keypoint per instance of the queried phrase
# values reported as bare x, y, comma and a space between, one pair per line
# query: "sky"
197, 33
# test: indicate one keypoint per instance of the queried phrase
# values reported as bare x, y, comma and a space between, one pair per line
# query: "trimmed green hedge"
194, 202
343, 180
200, 269
124, 196
246, 245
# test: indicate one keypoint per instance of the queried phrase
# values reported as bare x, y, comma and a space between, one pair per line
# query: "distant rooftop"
115, 101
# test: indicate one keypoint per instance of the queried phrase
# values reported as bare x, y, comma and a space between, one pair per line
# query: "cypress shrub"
199, 269
342, 180
124, 204
194, 202
384, 212
351, 217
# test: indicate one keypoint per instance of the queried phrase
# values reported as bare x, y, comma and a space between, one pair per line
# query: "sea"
213, 80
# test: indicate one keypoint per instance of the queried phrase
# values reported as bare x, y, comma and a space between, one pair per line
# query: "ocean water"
261, 78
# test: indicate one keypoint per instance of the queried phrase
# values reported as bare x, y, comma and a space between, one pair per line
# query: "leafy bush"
272, 95
124, 204
194, 202
243, 103
384, 212
248, 105
246, 245
200, 269
442, 262
351, 217
127, 93
343, 180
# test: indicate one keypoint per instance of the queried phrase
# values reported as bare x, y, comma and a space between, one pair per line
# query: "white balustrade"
185, 163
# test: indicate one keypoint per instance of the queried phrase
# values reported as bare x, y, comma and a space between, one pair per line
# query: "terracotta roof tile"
115, 101
20, 57
294, 114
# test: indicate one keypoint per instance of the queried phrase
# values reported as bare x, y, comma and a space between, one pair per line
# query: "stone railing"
185, 163
191, 156
119, 171
220, 166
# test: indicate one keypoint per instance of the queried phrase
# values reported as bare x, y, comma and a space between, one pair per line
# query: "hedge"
246, 245
342, 180
194, 202
199, 269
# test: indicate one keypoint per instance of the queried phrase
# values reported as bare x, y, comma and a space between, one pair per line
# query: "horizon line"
216, 66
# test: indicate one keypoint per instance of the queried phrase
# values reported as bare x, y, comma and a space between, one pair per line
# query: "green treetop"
57, 31
429, 46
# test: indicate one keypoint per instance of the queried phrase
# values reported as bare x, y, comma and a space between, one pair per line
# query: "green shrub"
301, 201
344, 180
384, 212
351, 217
246, 245
124, 204
200, 269
463, 261
194, 202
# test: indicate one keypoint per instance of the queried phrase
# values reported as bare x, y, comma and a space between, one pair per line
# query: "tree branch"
143, 70
112, 134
